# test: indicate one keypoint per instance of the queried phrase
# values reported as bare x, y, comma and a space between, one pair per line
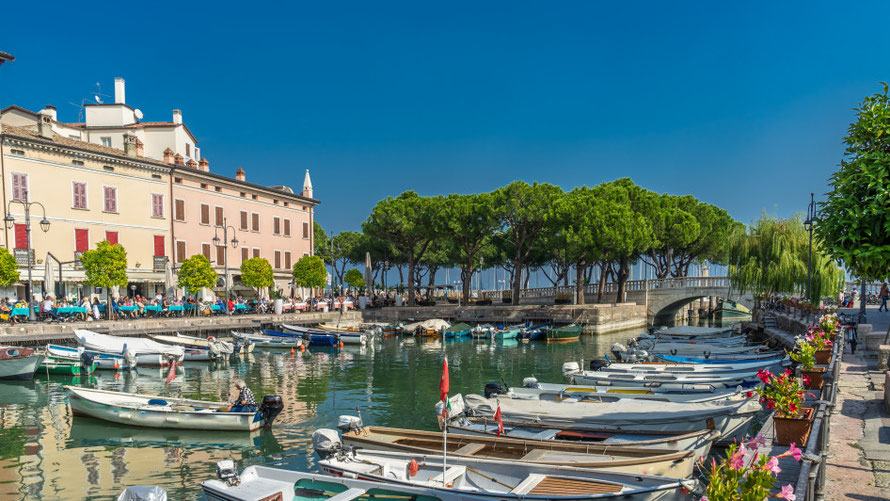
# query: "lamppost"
811, 218
225, 245
460, 293
44, 225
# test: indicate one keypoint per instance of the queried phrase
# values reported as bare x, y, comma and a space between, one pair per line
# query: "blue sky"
741, 105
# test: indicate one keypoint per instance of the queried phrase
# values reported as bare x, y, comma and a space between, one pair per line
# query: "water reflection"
45, 453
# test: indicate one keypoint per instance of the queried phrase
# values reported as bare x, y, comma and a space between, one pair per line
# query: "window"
287, 260
180, 251
285, 204
77, 162
111, 237
20, 153
110, 198
81, 240
243, 194
157, 205
205, 214
245, 254
179, 210
276, 225
218, 189
156, 176
275, 201
21, 236
108, 168
287, 227
219, 216
20, 187
255, 219
177, 180
305, 230
277, 259
256, 252
78, 195
159, 246
204, 185
106, 141
188, 150
220, 255
255, 197
244, 220
205, 250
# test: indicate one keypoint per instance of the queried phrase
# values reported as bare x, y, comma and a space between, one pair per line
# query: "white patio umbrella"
168, 277
49, 276
369, 276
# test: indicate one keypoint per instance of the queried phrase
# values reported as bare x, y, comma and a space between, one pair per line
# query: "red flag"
497, 417
172, 375
443, 383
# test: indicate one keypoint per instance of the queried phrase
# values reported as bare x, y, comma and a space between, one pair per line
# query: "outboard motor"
326, 442
130, 358
494, 389
530, 382
236, 348
86, 360
618, 351
270, 408
597, 364
570, 367
349, 423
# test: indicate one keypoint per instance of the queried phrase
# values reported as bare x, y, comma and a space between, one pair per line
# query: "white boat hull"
104, 361
21, 367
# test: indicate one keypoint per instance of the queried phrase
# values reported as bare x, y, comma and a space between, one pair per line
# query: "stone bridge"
662, 297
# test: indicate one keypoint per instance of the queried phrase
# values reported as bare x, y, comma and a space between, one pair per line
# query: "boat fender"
349, 423
494, 389
157, 401
326, 442
413, 468
530, 382
270, 409
570, 367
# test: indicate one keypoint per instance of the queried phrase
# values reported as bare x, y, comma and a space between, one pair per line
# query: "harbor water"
46, 453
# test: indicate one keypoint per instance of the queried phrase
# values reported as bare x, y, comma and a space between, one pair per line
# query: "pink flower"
794, 451
773, 466
737, 460
759, 440
787, 493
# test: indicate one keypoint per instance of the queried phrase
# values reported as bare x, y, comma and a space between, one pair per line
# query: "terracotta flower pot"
795, 429
823, 356
815, 377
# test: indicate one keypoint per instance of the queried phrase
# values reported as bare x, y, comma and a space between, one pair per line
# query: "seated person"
246, 401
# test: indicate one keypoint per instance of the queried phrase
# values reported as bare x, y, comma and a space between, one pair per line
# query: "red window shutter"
80, 196
21, 237
111, 237
157, 205
110, 199
81, 240
159, 246
19, 187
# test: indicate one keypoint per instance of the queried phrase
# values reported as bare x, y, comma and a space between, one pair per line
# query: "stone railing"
612, 287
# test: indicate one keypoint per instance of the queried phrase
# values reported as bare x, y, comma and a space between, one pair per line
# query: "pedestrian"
885, 294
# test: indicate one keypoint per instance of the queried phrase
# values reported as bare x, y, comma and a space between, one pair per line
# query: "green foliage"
468, 223
9, 268
805, 354
106, 265
771, 258
196, 273
854, 223
310, 272
746, 475
354, 279
781, 392
257, 273
321, 242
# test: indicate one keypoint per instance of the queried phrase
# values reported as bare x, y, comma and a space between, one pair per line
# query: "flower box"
814, 378
794, 430
823, 356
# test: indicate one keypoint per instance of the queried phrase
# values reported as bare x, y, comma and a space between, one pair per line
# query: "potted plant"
805, 354
745, 474
821, 340
784, 394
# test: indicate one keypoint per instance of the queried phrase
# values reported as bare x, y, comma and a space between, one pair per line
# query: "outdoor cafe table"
176, 308
240, 308
154, 309
19, 312
129, 308
215, 308
69, 310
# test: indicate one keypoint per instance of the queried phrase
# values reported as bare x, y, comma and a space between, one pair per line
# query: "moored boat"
458, 330
216, 349
564, 334
65, 367
146, 351
18, 363
565, 393
104, 361
269, 341
153, 411
325, 336
507, 333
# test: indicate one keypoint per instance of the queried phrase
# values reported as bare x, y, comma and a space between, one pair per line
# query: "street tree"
344, 249
196, 273
321, 242
105, 266
469, 224
9, 268
310, 272
256, 272
626, 233
354, 279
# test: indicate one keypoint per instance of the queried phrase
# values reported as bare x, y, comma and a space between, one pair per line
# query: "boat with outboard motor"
572, 368
552, 392
146, 351
261, 341
676, 381
154, 411
65, 367
324, 336
501, 480
668, 463
564, 334
211, 348
104, 361
457, 330
17, 362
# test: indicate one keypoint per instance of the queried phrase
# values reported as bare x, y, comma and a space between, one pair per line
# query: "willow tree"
771, 258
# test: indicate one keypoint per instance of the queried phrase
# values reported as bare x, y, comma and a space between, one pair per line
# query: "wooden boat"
261, 483
269, 341
535, 332
147, 351
699, 441
324, 334
577, 393
153, 411
503, 480
458, 330
676, 464
509, 333
18, 363
104, 361
212, 347
65, 367
564, 334
730, 417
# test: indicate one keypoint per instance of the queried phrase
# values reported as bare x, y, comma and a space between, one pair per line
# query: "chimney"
177, 159
130, 145
45, 124
177, 116
52, 112
204, 165
307, 185
191, 164
240, 174
140, 148
168, 156
119, 94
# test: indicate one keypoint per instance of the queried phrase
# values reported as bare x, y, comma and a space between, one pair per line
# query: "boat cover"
621, 413
119, 344
433, 324
691, 330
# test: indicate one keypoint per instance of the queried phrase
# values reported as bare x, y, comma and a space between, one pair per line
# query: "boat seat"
535, 455
470, 449
348, 495
451, 474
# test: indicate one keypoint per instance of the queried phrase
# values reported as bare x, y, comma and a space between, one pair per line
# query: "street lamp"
225, 244
460, 292
811, 218
44, 225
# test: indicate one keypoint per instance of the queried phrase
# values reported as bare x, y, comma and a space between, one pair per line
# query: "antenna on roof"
97, 96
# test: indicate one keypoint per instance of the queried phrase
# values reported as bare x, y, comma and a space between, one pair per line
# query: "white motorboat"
237, 346
147, 351
567, 393
571, 368
104, 361
195, 349
153, 411
502, 480
344, 336
701, 350
261, 483
730, 417
18, 363
673, 381
261, 341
